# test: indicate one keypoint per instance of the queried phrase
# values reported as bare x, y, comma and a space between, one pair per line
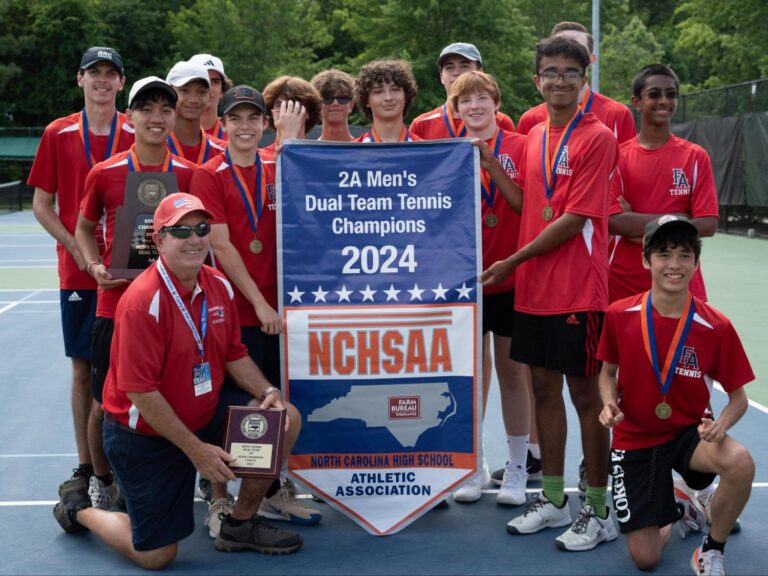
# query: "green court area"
735, 271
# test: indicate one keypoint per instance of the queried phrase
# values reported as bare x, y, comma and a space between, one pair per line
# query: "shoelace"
535, 505
582, 521
711, 562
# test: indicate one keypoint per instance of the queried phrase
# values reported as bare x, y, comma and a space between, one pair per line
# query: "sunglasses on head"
340, 99
202, 229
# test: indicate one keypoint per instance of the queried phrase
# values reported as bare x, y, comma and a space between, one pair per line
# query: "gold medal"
663, 410
548, 213
256, 246
491, 220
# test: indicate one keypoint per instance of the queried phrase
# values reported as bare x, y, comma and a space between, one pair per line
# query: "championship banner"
378, 259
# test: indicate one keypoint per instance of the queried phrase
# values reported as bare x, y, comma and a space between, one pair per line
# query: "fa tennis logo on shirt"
562, 168
680, 184
688, 364
508, 165
271, 195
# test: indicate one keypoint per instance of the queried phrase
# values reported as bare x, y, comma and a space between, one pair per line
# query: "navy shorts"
157, 479
78, 310
499, 313
264, 350
101, 343
643, 488
566, 343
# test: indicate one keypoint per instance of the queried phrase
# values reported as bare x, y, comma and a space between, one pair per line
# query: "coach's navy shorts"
78, 309
157, 479
566, 343
643, 488
101, 344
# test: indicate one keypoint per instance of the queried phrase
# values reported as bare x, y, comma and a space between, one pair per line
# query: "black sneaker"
73, 496
256, 535
80, 479
206, 493
532, 467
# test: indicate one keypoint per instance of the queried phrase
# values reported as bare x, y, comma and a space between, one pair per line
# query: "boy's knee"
157, 559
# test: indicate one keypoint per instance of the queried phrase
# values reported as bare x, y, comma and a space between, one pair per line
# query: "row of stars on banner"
368, 295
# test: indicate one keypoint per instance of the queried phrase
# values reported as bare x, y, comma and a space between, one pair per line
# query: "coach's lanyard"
487, 186
133, 161
199, 336
449, 122
112, 144
254, 212
205, 147
549, 163
405, 136
664, 376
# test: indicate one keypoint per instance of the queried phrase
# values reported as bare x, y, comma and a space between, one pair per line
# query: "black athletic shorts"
643, 489
566, 343
264, 350
101, 342
499, 313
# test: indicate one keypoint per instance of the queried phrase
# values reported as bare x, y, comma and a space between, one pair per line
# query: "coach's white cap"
184, 72
210, 62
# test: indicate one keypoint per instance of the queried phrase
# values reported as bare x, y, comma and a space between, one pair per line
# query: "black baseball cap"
668, 222
96, 54
242, 94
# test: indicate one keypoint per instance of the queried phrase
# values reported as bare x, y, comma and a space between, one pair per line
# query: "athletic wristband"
269, 391
88, 268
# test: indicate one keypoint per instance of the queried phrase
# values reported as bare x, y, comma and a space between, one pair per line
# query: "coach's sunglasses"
183, 232
328, 100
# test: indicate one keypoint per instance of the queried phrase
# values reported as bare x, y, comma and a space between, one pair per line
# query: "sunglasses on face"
183, 232
340, 99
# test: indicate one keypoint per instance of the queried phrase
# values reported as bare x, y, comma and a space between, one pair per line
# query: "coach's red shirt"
153, 349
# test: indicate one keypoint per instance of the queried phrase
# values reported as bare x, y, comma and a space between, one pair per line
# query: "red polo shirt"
153, 349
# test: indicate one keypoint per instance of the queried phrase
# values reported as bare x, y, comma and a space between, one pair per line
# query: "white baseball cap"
148, 83
184, 72
210, 62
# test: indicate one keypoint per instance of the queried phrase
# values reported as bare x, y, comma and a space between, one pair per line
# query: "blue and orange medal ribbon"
549, 163
133, 161
586, 104
459, 132
205, 147
487, 186
112, 144
405, 136
664, 376
218, 129
253, 211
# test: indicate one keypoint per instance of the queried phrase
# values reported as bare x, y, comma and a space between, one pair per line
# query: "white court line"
29, 290
48, 245
33, 302
22, 260
20, 503
61, 455
14, 304
28, 267
752, 403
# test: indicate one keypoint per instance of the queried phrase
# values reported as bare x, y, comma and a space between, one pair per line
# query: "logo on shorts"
572, 320
620, 500
74, 297
680, 184
253, 426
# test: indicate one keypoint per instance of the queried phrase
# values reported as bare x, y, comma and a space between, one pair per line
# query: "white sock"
517, 450
535, 450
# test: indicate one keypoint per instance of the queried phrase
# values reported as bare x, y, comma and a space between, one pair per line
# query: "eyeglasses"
183, 232
655, 94
569, 76
340, 99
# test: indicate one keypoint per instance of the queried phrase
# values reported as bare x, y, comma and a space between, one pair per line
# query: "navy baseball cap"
242, 94
96, 54
468, 51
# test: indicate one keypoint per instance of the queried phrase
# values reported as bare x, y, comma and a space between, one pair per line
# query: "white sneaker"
472, 489
587, 531
216, 512
709, 563
694, 518
512, 490
540, 514
102, 497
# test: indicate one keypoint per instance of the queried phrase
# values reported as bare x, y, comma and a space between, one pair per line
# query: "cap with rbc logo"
96, 54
